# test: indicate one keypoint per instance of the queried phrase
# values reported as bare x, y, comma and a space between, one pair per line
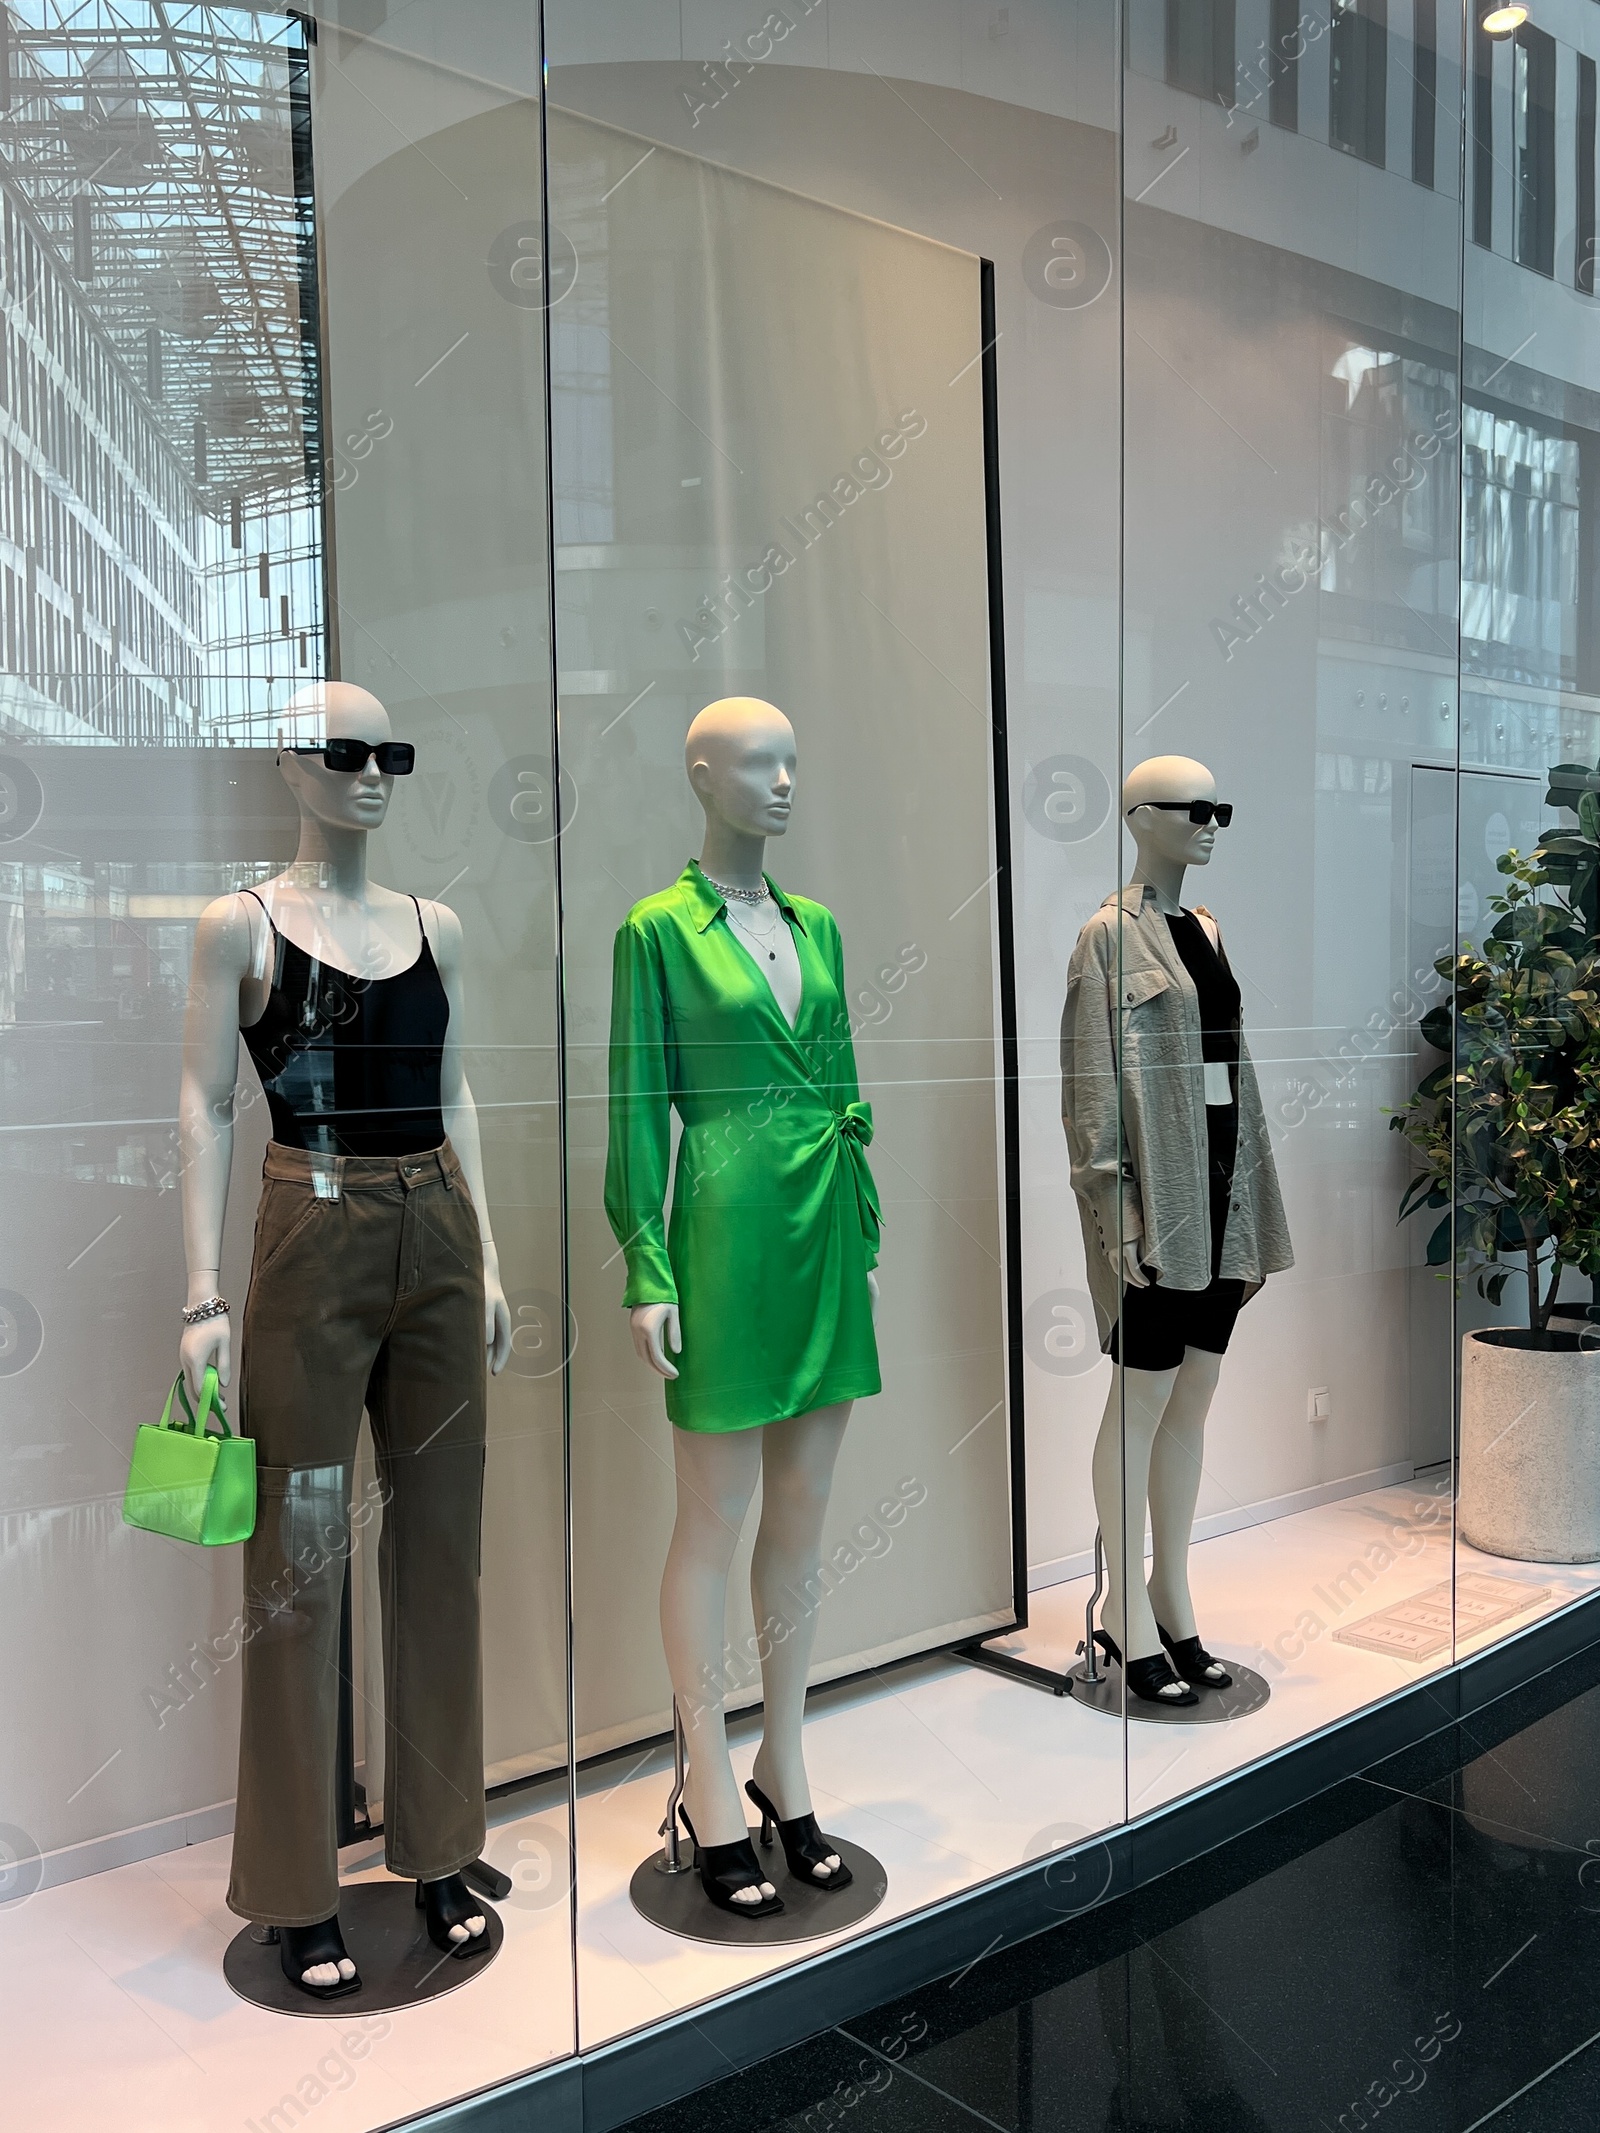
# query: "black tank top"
351, 1065
1217, 986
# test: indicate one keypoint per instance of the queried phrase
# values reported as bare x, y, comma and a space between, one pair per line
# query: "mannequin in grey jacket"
1135, 1094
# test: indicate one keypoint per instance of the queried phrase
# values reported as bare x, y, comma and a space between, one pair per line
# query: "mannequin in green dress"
756, 1305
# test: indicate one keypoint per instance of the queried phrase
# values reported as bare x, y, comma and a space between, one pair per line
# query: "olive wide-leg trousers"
366, 1290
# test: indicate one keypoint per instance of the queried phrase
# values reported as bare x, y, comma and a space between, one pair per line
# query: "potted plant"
1508, 1131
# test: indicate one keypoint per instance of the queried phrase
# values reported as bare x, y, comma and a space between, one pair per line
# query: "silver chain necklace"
743, 896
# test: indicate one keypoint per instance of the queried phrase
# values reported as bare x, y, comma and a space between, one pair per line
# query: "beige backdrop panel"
441, 565
723, 355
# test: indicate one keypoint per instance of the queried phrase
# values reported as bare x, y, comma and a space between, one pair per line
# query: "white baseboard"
1063, 1568
125, 1847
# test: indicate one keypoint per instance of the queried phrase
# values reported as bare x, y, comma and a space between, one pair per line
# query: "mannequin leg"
717, 1474
797, 1462
1175, 1466
1133, 1413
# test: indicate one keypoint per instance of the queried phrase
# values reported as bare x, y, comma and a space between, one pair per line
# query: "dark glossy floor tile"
1565, 2100
1418, 1949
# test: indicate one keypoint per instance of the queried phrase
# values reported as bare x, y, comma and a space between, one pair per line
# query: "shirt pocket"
1139, 987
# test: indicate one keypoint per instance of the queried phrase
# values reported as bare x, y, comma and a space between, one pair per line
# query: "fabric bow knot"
853, 1125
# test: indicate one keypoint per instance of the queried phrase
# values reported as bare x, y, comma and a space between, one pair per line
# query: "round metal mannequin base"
678, 1904
1216, 1706
397, 1963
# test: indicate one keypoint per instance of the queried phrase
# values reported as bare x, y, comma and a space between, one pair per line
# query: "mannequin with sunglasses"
1181, 1213
374, 1285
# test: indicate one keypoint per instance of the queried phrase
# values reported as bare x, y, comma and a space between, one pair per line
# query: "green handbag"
190, 1482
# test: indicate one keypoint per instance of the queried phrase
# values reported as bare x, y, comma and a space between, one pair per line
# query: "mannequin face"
1165, 833
741, 762
337, 711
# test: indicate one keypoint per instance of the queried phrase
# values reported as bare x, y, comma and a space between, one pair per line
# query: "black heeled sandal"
1151, 1680
727, 1868
449, 1902
804, 1846
300, 1948
1194, 1663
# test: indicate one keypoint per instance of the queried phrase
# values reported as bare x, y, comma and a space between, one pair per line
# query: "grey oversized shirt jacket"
1132, 997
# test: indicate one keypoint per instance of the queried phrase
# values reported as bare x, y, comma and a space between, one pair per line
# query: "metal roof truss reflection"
164, 152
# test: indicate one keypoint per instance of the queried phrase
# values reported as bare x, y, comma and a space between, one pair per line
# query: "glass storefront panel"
1289, 575
274, 418
1524, 1260
768, 391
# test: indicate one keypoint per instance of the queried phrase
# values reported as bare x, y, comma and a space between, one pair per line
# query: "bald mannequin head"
1166, 837
1167, 777
332, 711
740, 756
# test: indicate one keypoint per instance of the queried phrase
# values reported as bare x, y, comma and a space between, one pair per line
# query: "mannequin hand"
872, 1291
208, 1344
1133, 1272
496, 1314
648, 1323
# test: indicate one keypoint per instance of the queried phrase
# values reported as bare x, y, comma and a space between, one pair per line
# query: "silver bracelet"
212, 1307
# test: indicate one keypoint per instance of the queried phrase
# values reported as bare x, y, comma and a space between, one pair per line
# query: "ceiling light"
1504, 21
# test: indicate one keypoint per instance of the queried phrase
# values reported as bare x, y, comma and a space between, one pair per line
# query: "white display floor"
951, 1774
112, 1986
116, 2013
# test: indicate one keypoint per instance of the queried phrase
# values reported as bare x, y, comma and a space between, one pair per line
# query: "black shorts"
1157, 1324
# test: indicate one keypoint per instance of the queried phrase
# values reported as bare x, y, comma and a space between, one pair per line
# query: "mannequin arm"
846, 1090
461, 1125
221, 960
1102, 1175
639, 1121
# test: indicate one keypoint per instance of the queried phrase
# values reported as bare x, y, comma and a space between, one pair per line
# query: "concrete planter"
1530, 1449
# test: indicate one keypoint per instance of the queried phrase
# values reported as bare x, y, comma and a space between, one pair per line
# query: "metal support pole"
1091, 1672
672, 1860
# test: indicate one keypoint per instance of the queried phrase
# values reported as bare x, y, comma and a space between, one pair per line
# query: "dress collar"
707, 902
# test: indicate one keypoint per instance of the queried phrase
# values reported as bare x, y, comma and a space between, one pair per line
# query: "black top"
351, 1065
1220, 1001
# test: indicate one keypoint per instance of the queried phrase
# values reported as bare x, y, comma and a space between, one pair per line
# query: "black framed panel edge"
604, 2089
1010, 1092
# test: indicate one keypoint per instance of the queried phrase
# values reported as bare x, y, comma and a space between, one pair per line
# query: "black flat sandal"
1151, 1680
804, 1846
449, 1902
727, 1868
301, 1948
1194, 1663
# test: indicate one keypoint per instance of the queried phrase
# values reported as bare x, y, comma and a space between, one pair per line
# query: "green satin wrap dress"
775, 1218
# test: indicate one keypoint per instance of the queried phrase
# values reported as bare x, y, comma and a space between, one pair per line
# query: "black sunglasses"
395, 759
1199, 812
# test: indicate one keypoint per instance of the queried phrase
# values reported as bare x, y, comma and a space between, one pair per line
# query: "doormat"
1419, 1628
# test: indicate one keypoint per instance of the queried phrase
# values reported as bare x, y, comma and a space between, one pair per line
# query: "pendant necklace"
756, 933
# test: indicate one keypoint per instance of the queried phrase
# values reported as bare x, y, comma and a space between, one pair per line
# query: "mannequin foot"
1194, 1663
810, 1856
315, 1959
457, 1921
731, 1876
1151, 1680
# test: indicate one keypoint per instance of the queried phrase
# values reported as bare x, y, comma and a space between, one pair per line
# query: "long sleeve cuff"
1105, 1208
649, 1276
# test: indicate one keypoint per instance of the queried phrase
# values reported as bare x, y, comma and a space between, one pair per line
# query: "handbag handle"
210, 1405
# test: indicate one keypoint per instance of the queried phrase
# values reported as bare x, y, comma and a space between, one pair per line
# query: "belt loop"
444, 1169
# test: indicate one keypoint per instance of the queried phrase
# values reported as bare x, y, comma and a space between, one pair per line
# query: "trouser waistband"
340, 1174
